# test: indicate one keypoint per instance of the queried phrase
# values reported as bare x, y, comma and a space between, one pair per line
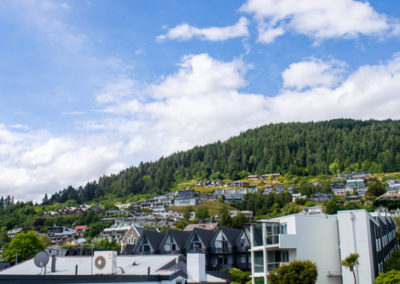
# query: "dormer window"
196, 243
145, 246
170, 244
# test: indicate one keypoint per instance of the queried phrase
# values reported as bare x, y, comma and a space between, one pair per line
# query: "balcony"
274, 265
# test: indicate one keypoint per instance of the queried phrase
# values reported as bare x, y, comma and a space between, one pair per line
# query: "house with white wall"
325, 240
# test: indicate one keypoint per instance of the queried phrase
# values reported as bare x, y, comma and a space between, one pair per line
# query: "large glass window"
276, 258
258, 261
273, 231
257, 230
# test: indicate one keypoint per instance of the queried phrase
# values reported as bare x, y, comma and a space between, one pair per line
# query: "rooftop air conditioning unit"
104, 262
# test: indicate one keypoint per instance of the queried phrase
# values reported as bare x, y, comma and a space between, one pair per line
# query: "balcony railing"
272, 239
274, 265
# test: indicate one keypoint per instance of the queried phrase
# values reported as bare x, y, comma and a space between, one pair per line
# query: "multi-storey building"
325, 240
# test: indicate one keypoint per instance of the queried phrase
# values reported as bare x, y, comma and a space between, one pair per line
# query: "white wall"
354, 230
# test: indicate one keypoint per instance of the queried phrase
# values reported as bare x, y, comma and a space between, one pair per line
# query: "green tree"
331, 207
239, 276
186, 212
350, 262
106, 244
389, 277
202, 213
238, 221
296, 272
376, 189
225, 218
45, 239
393, 263
24, 246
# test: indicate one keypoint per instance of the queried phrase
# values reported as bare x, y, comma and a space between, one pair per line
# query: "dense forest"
301, 149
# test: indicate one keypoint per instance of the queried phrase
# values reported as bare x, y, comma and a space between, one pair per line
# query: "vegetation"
107, 245
239, 276
300, 149
24, 246
296, 272
351, 262
393, 263
389, 277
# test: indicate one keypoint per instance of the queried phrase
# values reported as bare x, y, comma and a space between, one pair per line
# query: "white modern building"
325, 240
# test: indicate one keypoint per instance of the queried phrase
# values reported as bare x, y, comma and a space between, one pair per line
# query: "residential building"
355, 183
268, 176
80, 230
14, 232
229, 248
148, 243
208, 183
296, 196
206, 226
174, 242
225, 248
186, 201
312, 210
321, 197
280, 240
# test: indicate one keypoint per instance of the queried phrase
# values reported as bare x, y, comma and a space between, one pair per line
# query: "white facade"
325, 240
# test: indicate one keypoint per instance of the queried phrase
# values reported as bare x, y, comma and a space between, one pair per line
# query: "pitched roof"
84, 227
205, 235
180, 237
231, 234
154, 238
206, 226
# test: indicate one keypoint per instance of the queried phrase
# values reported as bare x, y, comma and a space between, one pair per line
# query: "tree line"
301, 149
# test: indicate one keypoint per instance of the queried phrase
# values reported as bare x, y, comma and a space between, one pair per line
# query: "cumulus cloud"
318, 19
201, 103
185, 32
313, 73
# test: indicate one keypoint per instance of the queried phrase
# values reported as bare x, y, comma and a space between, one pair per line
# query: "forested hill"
295, 148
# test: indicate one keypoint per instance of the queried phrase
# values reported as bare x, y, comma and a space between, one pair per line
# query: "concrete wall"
354, 231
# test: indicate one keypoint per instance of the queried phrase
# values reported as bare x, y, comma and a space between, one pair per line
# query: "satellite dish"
41, 259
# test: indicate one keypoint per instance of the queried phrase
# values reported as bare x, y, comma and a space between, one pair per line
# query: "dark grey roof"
129, 250
205, 235
180, 237
231, 234
154, 238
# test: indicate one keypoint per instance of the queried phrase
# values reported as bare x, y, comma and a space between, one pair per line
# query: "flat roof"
65, 265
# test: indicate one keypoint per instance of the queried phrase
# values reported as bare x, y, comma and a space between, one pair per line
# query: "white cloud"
202, 102
318, 19
313, 73
186, 32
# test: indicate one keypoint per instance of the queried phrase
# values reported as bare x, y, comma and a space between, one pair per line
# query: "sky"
88, 88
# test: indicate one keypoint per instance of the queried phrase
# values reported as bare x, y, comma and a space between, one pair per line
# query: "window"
258, 261
221, 243
145, 246
196, 243
169, 244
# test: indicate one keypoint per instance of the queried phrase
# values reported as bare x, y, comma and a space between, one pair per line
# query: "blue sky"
90, 87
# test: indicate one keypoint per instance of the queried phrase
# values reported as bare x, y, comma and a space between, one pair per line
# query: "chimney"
53, 263
196, 267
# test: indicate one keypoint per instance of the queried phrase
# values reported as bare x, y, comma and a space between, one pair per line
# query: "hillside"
300, 149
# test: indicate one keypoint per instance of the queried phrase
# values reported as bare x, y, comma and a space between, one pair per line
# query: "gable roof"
205, 236
180, 237
154, 238
230, 233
